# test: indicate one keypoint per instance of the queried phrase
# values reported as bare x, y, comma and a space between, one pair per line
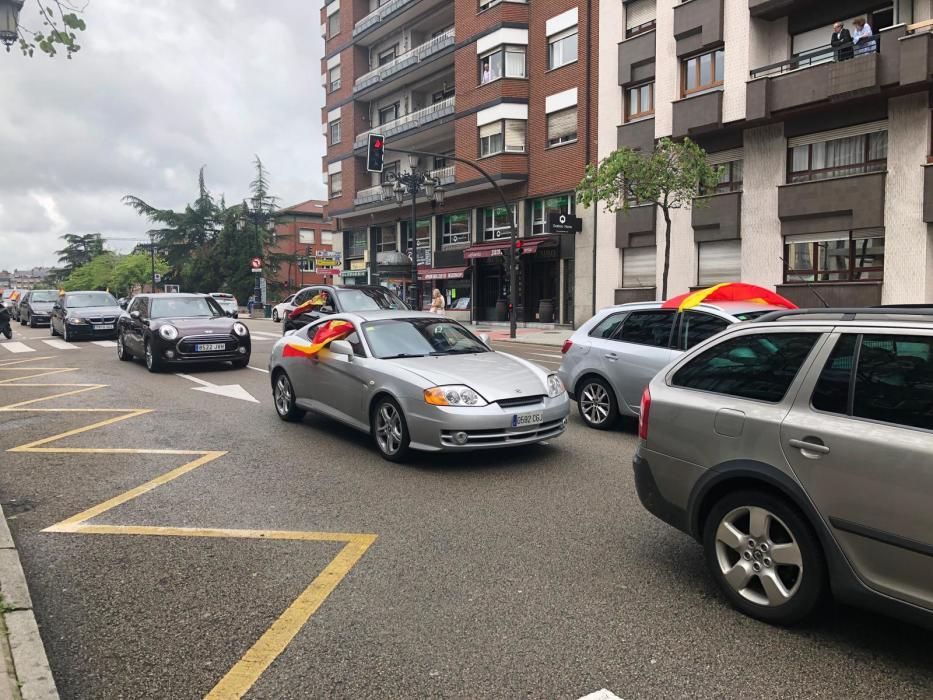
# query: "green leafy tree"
59, 21
132, 270
671, 176
97, 274
79, 250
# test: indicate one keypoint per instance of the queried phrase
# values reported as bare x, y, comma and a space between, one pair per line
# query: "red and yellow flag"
325, 335
316, 301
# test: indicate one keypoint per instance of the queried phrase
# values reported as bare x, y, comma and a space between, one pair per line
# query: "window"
306, 236
356, 243
445, 94
562, 48
486, 4
336, 185
306, 264
608, 327
333, 77
334, 132
387, 55
505, 135
639, 101
541, 210
333, 25
853, 155
892, 381
562, 127
718, 261
758, 366
639, 17
703, 72
730, 177
648, 328
695, 327
455, 230
504, 62
844, 256
388, 113
639, 267
387, 240
496, 222
327, 237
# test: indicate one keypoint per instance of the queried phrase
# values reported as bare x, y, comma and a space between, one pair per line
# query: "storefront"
455, 286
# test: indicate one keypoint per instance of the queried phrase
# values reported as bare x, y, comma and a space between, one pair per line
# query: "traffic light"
375, 154
519, 247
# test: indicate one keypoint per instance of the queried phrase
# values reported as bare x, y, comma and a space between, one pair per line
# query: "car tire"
153, 363
241, 363
275, 316
742, 538
65, 335
22, 320
123, 354
31, 322
390, 430
52, 329
597, 404
283, 396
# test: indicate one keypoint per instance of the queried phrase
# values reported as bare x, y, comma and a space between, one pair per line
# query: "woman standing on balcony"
863, 37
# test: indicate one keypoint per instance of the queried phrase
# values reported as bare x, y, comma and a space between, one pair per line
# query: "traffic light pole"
513, 234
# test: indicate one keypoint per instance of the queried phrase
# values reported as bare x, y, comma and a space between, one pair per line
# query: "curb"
29, 677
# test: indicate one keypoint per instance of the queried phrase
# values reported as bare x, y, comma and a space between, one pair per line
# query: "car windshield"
85, 300
419, 337
44, 295
369, 299
185, 307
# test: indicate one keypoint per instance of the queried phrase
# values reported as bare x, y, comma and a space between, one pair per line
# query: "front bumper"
39, 319
181, 350
432, 428
85, 331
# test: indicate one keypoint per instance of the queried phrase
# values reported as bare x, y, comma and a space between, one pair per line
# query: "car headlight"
168, 332
240, 329
75, 321
453, 396
555, 387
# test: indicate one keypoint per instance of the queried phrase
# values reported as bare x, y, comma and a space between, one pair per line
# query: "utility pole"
152, 259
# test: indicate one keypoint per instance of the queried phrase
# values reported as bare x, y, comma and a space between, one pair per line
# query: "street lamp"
261, 218
9, 21
412, 183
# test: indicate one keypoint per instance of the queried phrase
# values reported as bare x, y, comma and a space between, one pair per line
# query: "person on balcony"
863, 37
842, 42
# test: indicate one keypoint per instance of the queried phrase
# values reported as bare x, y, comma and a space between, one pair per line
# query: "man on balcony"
841, 41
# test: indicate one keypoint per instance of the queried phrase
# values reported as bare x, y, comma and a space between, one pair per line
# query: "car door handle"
611, 356
807, 446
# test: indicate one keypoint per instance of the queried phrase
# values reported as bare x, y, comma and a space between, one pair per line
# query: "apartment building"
301, 232
826, 192
505, 83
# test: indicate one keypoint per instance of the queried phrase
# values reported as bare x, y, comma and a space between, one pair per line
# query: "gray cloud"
158, 90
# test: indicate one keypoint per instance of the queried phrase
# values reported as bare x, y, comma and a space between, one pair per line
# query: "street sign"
262, 289
328, 254
256, 264
157, 277
565, 223
172, 289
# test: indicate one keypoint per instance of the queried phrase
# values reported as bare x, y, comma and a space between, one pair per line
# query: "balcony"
717, 217
774, 9
817, 77
698, 24
638, 135
636, 221
836, 204
373, 195
380, 14
637, 58
698, 114
410, 58
410, 121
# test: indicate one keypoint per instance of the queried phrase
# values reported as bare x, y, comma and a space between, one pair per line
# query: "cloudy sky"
159, 89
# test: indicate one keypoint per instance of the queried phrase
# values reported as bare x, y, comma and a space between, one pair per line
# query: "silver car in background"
416, 381
609, 361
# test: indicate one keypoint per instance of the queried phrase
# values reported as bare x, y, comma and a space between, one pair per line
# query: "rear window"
609, 326
760, 367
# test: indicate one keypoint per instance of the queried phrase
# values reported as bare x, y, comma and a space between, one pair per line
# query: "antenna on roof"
808, 283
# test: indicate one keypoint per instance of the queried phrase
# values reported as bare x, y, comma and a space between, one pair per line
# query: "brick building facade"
300, 232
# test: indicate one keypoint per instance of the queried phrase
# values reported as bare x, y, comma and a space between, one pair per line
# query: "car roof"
222, 295
890, 317
174, 295
390, 314
727, 307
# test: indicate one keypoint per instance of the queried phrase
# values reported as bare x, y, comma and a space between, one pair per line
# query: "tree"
132, 270
94, 274
79, 250
61, 20
671, 176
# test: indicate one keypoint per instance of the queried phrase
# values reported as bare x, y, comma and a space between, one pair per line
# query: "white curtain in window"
562, 125
515, 63
515, 135
719, 261
639, 12
639, 267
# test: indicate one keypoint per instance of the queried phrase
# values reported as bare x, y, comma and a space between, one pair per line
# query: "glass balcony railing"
368, 195
417, 54
379, 14
410, 121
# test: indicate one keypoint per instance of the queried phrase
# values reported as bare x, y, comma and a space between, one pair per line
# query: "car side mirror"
123, 305
341, 347
134, 315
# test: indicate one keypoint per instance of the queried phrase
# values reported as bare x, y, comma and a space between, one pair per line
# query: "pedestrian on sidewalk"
437, 302
250, 303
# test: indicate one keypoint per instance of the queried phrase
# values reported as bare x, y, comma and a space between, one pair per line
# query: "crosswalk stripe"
105, 343
59, 344
266, 336
15, 347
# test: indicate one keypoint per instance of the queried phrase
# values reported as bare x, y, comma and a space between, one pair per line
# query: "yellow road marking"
10, 363
244, 674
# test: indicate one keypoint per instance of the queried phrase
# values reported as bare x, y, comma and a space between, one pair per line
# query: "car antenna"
808, 283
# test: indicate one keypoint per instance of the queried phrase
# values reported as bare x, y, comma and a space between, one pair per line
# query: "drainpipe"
589, 121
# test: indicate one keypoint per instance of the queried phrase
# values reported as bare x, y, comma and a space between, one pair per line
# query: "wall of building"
765, 151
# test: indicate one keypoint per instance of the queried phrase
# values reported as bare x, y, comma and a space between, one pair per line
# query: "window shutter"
638, 267
720, 261
639, 12
857, 130
562, 124
490, 130
515, 135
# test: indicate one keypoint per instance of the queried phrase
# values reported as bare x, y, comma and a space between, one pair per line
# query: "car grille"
522, 401
500, 437
101, 319
186, 344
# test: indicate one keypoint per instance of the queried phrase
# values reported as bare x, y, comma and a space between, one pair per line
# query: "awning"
441, 273
492, 249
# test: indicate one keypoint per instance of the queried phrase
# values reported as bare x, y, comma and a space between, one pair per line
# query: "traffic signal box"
375, 153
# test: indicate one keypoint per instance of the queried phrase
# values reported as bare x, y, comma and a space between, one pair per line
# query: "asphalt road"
533, 573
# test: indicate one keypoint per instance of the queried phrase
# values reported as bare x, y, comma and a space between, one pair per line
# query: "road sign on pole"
256, 264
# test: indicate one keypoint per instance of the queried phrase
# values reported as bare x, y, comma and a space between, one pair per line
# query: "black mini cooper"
181, 328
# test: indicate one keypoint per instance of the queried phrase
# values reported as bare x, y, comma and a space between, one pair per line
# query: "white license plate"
210, 347
107, 327
520, 421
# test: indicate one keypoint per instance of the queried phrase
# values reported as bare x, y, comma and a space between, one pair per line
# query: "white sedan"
282, 309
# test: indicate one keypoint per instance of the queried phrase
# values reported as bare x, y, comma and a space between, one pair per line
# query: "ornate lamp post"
411, 184
9, 21
261, 218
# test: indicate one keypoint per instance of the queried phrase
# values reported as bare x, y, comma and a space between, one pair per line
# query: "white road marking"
541, 354
105, 343
59, 344
16, 347
601, 695
258, 369
231, 391
265, 336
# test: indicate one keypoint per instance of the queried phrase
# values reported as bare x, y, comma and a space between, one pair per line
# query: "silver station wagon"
417, 381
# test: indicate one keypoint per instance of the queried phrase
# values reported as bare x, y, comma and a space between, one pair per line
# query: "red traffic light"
377, 143
519, 243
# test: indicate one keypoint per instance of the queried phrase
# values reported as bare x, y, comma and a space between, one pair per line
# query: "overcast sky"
159, 89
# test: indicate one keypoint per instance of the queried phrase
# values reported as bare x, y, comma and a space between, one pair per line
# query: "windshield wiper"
401, 356
458, 352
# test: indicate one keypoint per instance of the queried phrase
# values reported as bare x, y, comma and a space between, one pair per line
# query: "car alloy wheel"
32, 322
65, 335
765, 557
283, 394
597, 405
390, 430
275, 315
122, 353
152, 362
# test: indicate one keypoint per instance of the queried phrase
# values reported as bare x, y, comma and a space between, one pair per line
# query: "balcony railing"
379, 14
416, 55
824, 54
368, 195
409, 121
443, 176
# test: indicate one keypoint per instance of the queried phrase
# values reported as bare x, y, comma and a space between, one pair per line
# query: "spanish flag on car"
315, 302
325, 335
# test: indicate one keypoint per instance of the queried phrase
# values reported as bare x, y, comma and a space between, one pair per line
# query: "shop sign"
353, 273
357, 265
565, 223
482, 253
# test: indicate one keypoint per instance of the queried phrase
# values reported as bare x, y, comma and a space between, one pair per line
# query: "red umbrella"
729, 291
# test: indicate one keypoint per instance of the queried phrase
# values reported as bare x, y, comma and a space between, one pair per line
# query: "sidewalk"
24, 668
531, 336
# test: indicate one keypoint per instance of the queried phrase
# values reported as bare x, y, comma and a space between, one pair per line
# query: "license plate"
210, 347
520, 421
107, 327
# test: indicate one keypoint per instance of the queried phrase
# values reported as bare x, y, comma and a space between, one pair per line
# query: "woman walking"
437, 302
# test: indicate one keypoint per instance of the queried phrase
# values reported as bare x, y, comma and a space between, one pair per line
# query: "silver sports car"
415, 381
